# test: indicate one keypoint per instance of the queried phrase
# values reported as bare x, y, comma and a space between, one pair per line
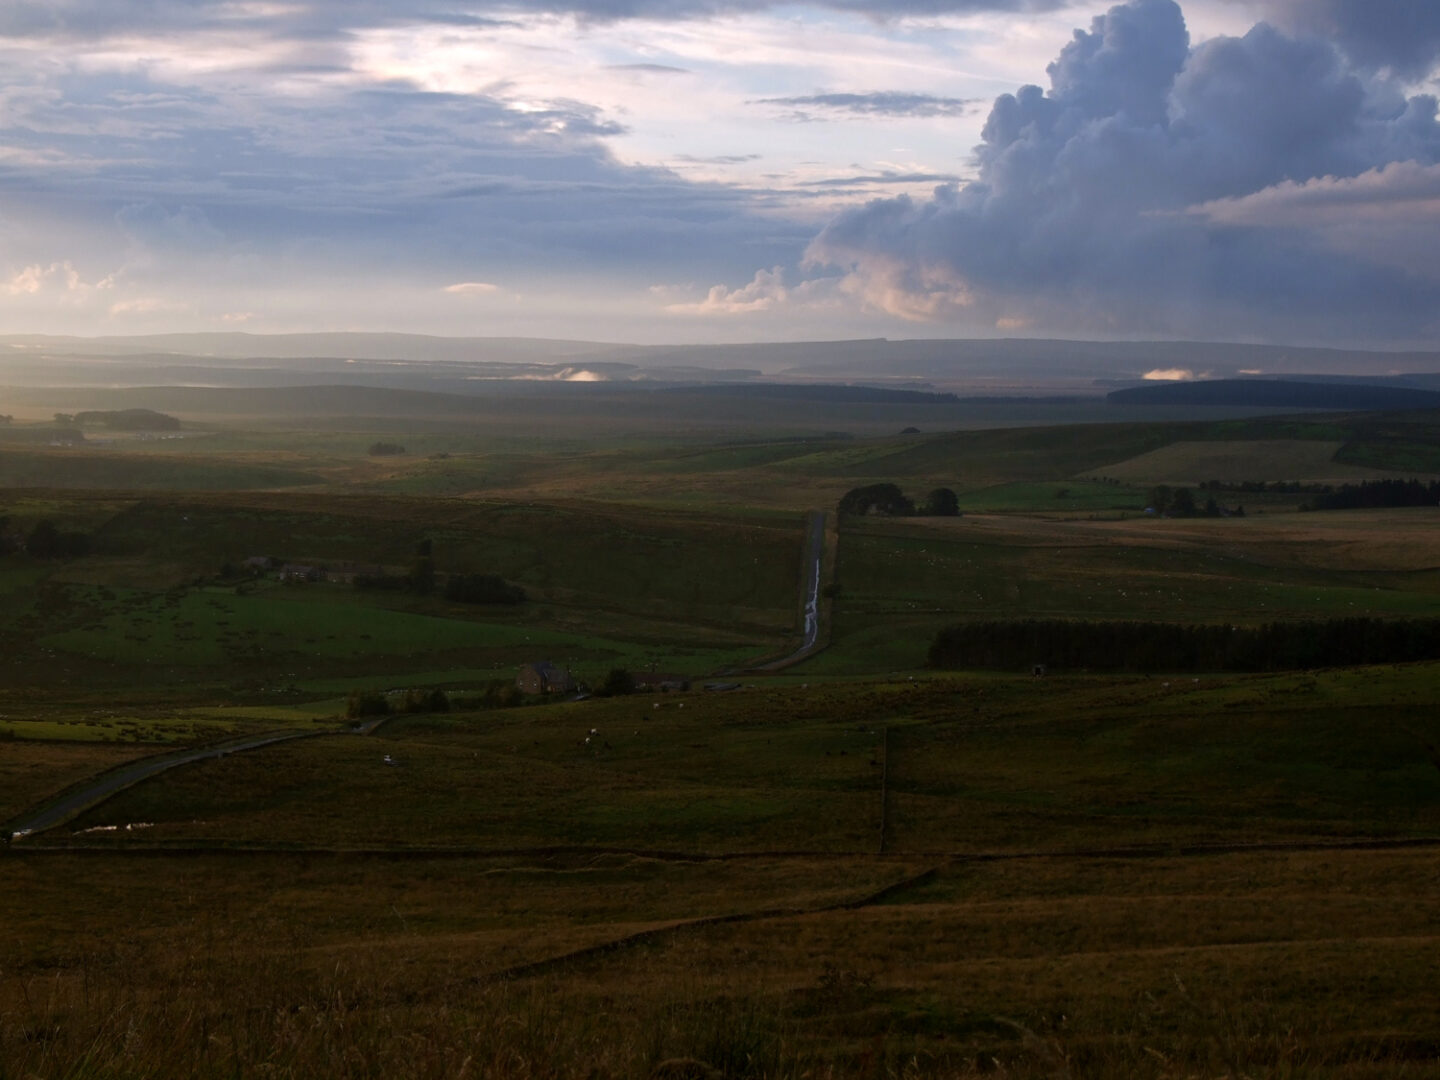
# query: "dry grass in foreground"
1298, 965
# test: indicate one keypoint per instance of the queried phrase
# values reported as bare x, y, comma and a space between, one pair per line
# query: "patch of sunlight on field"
119, 729
312, 712
1236, 462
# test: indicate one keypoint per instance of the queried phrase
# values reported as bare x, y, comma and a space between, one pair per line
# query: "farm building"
345, 573
297, 572
544, 678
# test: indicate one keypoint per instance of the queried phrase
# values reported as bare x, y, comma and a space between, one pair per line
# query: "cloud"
765, 291
327, 20
885, 104
36, 278
147, 305
1388, 216
1401, 35
472, 288
718, 159
887, 177
1405, 192
1169, 375
649, 69
1077, 218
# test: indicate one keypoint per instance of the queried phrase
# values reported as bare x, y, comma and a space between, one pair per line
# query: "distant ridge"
1278, 393
821, 392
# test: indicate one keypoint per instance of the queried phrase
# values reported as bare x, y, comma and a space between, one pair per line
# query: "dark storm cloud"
1403, 35
1078, 212
882, 104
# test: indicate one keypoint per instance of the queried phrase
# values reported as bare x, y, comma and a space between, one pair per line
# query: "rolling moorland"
848, 864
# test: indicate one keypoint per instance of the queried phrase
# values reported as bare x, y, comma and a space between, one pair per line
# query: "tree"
942, 502
422, 575
5, 419
1182, 503
876, 499
482, 589
618, 682
367, 704
1159, 498
43, 541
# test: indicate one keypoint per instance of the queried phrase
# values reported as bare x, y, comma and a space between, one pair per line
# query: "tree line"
423, 579
1374, 494
120, 420
1148, 646
1180, 502
44, 541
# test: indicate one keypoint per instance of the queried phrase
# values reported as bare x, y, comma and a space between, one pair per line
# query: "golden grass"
1261, 965
1235, 461
1402, 539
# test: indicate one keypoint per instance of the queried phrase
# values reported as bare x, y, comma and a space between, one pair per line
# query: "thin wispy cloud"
880, 105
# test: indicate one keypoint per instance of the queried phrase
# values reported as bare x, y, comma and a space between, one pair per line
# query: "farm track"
644, 937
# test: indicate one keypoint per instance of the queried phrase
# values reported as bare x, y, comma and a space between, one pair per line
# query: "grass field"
983, 957
902, 579
854, 869
607, 586
974, 764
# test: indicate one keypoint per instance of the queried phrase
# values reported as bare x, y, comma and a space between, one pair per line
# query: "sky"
724, 170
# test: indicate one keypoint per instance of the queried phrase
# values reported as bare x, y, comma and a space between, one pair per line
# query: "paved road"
76, 802
809, 593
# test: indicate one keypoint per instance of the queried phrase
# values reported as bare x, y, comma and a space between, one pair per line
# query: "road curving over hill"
810, 642
76, 801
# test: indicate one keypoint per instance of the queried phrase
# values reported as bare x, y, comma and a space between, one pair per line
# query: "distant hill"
1278, 393
992, 366
820, 392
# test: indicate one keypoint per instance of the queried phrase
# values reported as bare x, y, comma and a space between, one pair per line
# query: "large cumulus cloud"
1086, 212
1402, 35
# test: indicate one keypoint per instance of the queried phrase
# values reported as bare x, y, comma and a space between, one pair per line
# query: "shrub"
367, 704
482, 589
